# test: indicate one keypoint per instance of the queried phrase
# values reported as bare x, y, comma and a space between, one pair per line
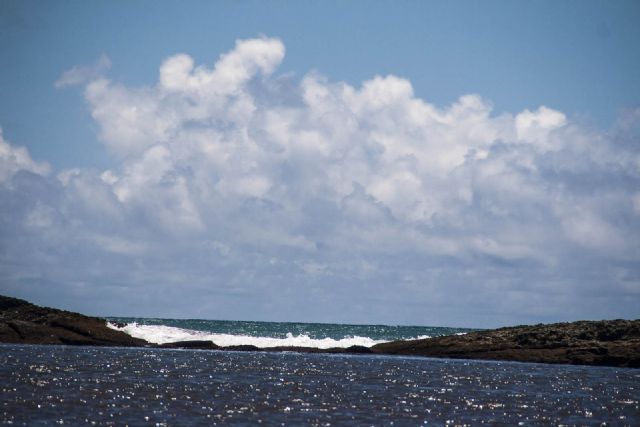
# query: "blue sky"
458, 163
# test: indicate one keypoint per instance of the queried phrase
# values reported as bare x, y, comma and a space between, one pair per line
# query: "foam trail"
159, 334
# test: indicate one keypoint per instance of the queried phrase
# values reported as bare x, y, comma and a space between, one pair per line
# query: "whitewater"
271, 334
168, 334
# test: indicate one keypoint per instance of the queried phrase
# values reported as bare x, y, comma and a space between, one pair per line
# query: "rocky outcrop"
25, 323
605, 343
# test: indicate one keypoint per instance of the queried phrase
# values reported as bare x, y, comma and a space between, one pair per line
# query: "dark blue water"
51, 385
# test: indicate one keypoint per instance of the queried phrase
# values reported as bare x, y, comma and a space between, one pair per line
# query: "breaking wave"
160, 334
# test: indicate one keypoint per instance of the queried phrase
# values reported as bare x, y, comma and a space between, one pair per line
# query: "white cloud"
535, 126
588, 229
40, 217
235, 180
230, 74
81, 74
119, 245
14, 159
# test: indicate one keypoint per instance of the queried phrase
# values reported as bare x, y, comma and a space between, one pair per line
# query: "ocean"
271, 334
68, 385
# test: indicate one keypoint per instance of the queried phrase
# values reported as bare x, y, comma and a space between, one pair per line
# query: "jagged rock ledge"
604, 343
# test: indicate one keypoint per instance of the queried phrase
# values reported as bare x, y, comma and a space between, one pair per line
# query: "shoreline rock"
601, 343
24, 323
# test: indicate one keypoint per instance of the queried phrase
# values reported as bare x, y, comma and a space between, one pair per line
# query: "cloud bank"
241, 193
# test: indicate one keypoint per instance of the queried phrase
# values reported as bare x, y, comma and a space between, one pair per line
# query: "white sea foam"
160, 334
419, 337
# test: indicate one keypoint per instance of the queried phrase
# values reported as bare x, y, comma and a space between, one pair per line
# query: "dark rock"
605, 342
358, 349
245, 347
24, 323
118, 324
201, 345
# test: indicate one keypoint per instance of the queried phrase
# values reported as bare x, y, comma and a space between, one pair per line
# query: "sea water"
272, 334
54, 385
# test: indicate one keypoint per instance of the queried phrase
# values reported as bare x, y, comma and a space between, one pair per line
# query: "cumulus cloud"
319, 200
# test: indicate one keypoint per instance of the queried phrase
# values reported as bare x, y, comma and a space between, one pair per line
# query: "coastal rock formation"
24, 323
605, 343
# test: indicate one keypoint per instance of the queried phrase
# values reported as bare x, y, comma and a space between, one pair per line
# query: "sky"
429, 163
